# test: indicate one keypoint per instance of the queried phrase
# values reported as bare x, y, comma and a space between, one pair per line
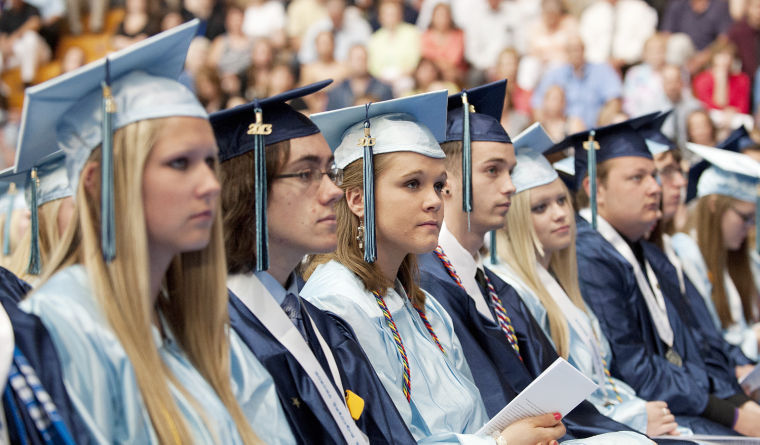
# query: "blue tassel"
35, 261
757, 219
370, 245
492, 248
591, 147
260, 189
466, 160
8, 216
107, 211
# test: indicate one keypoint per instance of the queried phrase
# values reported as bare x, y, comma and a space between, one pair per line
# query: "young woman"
714, 252
537, 250
139, 319
407, 335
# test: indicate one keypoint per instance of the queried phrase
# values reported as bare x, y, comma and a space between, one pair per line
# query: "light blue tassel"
260, 189
107, 211
757, 219
370, 246
35, 261
466, 160
492, 248
8, 216
591, 147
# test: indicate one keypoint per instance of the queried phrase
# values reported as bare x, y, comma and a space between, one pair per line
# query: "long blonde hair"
49, 238
348, 252
706, 219
194, 304
517, 244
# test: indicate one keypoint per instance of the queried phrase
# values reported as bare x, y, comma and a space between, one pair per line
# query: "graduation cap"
12, 199
736, 141
87, 105
532, 168
599, 145
731, 174
475, 115
253, 126
413, 124
649, 126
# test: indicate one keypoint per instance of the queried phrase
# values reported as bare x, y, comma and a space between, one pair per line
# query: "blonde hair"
706, 217
194, 304
517, 244
15, 240
49, 237
348, 252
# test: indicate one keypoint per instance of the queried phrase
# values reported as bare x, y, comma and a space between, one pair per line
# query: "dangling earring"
360, 235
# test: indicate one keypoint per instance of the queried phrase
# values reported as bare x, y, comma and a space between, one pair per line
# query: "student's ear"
355, 200
600, 191
91, 177
447, 194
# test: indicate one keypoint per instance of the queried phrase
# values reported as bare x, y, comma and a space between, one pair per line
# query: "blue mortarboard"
475, 115
731, 174
736, 141
649, 126
253, 126
532, 168
12, 199
85, 106
609, 142
414, 123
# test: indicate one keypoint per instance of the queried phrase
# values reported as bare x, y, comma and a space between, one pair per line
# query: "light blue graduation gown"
693, 263
446, 406
101, 381
632, 410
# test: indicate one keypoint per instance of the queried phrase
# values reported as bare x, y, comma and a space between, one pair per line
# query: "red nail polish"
557, 416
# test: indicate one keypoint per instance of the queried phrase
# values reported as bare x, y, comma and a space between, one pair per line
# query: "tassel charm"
259, 130
34, 266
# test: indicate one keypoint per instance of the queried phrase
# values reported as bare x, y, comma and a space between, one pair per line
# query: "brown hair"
238, 215
706, 217
348, 252
453, 161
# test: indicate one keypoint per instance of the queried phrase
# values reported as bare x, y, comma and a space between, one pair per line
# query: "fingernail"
557, 416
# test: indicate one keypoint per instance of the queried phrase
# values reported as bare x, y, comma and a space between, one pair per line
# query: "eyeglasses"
747, 218
312, 175
669, 173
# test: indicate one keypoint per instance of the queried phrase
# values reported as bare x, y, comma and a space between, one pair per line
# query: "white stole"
257, 298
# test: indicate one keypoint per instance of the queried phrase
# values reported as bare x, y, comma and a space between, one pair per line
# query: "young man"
325, 382
633, 290
503, 344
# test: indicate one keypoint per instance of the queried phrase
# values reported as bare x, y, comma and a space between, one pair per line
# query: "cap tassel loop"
260, 188
8, 215
757, 219
35, 261
367, 142
591, 146
466, 160
107, 211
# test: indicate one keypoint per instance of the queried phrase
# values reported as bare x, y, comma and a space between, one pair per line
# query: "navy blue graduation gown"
498, 372
307, 414
33, 340
609, 287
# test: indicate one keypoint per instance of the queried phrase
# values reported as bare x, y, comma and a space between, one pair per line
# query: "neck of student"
281, 266
160, 259
544, 259
470, 238
389, 261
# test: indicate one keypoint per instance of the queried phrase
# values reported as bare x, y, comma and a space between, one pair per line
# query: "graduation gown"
101, 382
497, 370
610, 289
33, 340
307, 413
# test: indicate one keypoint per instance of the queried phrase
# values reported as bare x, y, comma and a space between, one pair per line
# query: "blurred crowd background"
571, 64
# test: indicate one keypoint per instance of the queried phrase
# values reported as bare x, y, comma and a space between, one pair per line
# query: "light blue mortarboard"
253, 126
414, 123
532, 168
85, 106
12, 199
731, 174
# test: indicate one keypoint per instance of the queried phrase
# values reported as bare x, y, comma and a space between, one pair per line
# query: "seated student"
299, 215
392, 212
718, 354
135, 300
503, 344
536, 249
49, 217
631, 287
714, 250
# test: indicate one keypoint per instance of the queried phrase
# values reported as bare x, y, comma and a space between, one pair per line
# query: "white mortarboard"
86, 105
409, 124
732, 174
532, 168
